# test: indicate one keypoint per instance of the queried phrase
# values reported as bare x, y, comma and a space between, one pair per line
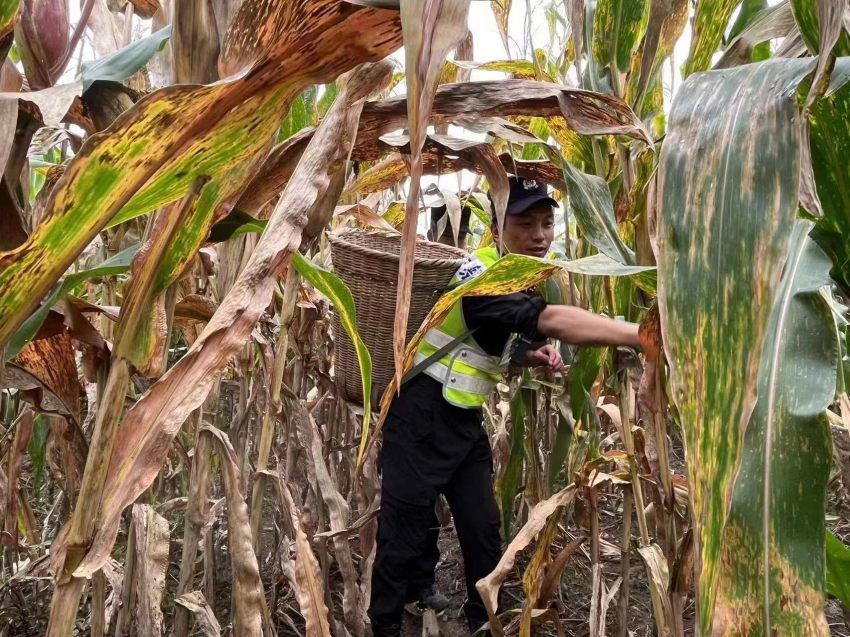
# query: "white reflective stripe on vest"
440, 372
483, 362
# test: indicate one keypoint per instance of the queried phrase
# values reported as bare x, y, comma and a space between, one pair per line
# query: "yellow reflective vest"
467, 373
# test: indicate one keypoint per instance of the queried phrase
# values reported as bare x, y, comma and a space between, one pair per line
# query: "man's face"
530, 233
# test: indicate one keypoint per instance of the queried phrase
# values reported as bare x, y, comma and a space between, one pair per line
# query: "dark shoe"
386, 630
428, 599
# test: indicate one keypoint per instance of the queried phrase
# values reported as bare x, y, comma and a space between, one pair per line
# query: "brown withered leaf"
194, 307
248, 599
204, 615
150, 425
152, 536
431, 29
338, 512
307, 581
489, 100
488, 587
22, 433
46, 371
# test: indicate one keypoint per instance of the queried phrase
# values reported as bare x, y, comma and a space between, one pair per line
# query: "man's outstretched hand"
546, 356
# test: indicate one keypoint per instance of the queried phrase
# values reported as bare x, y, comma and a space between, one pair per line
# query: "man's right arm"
579, 327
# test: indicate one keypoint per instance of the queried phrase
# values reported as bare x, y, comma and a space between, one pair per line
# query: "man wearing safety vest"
433, 440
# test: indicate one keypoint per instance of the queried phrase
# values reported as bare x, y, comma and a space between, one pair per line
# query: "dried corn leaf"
151, 424
431, 28
204, 616
150, 561
488, 587
247, 591
308, 582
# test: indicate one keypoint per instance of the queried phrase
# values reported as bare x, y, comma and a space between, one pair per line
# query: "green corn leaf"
806, 15
236, 223
118, 264
590, 202
710, 22
830, 148
37, 450
510, 482
773, 535
838, 569
560, 447
121, 64
302, 113
334, 289
618, 26
8, 15
719, 269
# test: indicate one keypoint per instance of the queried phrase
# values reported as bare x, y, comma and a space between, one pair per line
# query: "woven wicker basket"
367, 261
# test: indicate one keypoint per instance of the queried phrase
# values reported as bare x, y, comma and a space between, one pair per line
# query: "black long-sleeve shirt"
495, 318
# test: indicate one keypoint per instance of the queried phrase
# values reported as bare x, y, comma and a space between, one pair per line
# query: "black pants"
431, 447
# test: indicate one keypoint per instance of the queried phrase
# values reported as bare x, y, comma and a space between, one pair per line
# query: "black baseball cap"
524, 193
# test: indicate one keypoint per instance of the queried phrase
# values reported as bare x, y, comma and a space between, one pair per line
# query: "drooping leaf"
774, 537
308, 582
172, 136
247, 588
838, 569
807, 14
591, 204
775, 22
431, 28
142, 334
45, 370
830, 143
719, 270
118, 264
120, 65
204, 615
618, 26
489, 586
710, 21
151, 424
667, 20
502, 12
334, 289
53, 102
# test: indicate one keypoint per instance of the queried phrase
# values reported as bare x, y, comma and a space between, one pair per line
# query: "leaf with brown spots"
46, 372
772, 565
148, 428
156, 150
719, 270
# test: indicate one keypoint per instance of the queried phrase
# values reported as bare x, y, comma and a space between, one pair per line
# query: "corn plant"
166, 293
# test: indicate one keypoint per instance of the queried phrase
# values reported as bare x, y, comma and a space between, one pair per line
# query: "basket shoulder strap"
421, 366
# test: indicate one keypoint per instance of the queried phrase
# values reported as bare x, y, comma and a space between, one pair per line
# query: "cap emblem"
529, 184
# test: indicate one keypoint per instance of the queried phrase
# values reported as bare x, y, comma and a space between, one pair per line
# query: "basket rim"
339, 238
